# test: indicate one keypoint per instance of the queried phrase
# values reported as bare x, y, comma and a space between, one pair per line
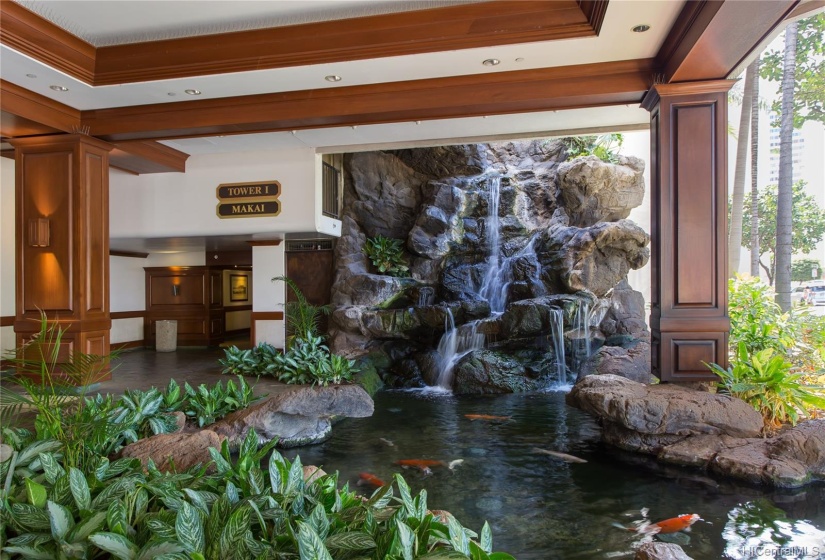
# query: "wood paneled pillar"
689, 291
62, 192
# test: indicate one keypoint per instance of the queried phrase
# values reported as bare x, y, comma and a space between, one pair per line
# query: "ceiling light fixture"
59, 88
171, 94
491, 62
31, 75
641, 28
192, 92
354, 127
417, 122
519, 59
332, 78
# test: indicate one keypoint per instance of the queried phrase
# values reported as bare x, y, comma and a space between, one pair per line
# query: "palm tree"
738, 198
754, 165
784, 201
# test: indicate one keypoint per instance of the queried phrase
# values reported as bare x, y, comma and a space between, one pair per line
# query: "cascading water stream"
557, 339
493, 285
581, 343
426, 296
454, 345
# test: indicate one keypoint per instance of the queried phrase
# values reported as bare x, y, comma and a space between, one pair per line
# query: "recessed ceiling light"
171, 94
640, 28
192, 92
354, 127
332, 78
491, 62
59, 88
519, 59
31, 75
417, 122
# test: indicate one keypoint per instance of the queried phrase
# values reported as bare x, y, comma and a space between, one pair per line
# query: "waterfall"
557, 338
454, 345
426, 296
581, 344
494, 286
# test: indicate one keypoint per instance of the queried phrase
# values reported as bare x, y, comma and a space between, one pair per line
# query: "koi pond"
542, 507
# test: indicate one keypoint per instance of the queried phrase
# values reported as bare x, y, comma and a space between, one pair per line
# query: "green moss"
368, 378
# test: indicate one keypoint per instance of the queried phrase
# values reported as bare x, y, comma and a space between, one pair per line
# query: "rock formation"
717, 433
506, 243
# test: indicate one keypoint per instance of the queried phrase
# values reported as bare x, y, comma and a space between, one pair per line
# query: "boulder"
625, 312
664, 409
487, 372
595, 191
313, 473
297, 417
6, 451
181, 450
656, 550
631, 363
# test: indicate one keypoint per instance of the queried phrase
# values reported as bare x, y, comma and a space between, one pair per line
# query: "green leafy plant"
303, 319
387, 256
604, 146
766, 381
207, 405
241, 362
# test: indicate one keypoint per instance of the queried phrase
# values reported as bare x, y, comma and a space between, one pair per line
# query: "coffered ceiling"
410, 72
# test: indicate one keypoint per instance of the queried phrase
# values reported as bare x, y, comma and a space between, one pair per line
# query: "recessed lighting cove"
332, 78
640, 28
491, 62
191, 92
59, 88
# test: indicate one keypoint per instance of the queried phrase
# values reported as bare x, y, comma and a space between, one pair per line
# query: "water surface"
540, 507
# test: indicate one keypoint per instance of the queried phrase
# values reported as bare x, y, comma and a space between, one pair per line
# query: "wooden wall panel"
689, 321
95, 231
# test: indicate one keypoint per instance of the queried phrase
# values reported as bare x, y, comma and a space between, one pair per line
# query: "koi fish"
387, 442
487, 417
559, 455
672, 525
454, 463
370, 479
421, 464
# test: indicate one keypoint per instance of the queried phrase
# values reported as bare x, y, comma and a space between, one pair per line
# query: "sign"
234, 191
248, 200
249, 209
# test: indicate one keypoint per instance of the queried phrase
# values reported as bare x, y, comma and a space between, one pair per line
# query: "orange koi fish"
370, 479
488, 417
421, 464
676, 524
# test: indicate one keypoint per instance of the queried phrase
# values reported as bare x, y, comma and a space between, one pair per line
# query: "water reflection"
539, 506
759, 529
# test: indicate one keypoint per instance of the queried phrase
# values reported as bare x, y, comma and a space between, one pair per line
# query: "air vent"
309, 245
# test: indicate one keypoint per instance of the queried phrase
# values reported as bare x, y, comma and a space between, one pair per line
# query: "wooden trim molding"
129, 254
147, 157
264, 242
544, 89
120, 346
7, 321
34, 36
38, 108
231, 308
267, 316
128, 314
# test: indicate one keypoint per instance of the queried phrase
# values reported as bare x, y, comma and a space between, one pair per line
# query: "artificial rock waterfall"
518, 264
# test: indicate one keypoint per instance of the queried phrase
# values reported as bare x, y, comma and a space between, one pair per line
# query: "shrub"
387, 256
303, 318
604, 146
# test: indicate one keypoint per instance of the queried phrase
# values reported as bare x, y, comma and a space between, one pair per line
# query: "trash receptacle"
166, 336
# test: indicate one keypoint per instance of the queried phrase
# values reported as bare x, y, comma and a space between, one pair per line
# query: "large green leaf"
189, 528
60, 520
31, 452
30, 518
157, 548
319, 522
86, 527
458, 538
117, 545
310, 545
406, 540
117, 518
51, 467
29, 552
354, 540
80, 489
36, 493
486, 540
275, 478
234, 531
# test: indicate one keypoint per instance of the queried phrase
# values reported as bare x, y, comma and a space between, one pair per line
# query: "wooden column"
689, 291
62, 191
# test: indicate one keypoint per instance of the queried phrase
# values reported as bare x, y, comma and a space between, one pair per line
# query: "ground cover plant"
387, 256
777, 360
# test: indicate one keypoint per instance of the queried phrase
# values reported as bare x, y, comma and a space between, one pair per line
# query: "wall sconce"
39, 232
175, 290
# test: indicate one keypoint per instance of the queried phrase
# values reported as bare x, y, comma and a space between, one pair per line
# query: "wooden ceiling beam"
545, 89
25, 104
144, 156
711, 39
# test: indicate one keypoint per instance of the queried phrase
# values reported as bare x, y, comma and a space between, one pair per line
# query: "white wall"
638, 144
184, 204
267, 263
7, 306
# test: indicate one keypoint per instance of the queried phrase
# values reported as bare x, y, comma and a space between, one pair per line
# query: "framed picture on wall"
238, 287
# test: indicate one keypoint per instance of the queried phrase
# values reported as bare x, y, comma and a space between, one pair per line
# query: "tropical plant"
766, 381
303, 319
48, 510
53, 387
240, 362
805, 270
208, 405
387, 256
604, 146
756, 320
